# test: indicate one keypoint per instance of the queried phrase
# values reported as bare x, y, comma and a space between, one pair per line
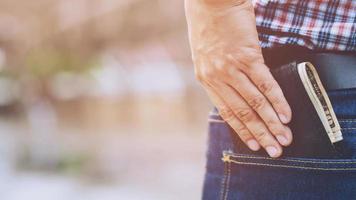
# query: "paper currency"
320, 100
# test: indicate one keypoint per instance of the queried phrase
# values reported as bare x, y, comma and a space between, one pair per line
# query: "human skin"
229, 65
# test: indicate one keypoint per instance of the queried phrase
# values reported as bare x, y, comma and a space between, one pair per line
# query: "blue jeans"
231, 174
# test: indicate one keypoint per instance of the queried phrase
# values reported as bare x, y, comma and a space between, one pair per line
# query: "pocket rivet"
226, 158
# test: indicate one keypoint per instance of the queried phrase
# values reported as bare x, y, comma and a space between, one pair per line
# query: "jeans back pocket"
259, 177
241, 173
291, 162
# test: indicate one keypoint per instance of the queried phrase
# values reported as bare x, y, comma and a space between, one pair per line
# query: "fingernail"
252, 144
283, 118
281, 139
272, 151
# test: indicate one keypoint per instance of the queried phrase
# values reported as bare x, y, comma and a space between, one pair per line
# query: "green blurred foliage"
47, 62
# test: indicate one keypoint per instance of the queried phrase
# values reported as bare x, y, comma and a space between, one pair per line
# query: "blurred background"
98, 101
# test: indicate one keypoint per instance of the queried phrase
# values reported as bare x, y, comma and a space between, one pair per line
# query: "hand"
230, 66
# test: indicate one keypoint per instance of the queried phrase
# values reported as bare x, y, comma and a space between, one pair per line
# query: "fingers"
261, 76
249, 118
256, 100
228, 116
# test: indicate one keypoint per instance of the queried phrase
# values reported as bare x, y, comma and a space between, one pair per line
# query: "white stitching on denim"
223, 182
348, 128
213, 113
287, 166
228, 180
292, 160
216, 120
347, 120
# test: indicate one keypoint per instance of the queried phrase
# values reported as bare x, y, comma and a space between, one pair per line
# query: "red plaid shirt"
315, 24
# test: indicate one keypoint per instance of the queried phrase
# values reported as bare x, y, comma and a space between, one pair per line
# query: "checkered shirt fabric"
315, 24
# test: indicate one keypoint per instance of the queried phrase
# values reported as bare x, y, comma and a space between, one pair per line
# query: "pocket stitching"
293, 166
225, 183
229, 156
293, 160
347, 120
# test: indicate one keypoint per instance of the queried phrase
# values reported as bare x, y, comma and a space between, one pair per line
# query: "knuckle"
244, 114
257, 102
276, 100
242, 131
210, 74
266, 87
220, 71
275, 127
260, 134
221, 67
244, 134
226, 114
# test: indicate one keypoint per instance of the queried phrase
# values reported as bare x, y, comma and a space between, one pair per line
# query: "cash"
320, 100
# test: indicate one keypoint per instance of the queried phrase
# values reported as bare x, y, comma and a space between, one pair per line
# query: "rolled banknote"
320, 100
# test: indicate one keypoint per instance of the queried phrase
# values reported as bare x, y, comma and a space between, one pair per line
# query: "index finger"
269, 87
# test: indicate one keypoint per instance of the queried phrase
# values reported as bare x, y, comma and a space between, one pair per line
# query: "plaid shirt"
315, 24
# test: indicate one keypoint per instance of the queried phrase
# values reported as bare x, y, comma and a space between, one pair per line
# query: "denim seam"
213, 113
291, 160
347, 120
225, 181
291, 166
216, 120
228, 181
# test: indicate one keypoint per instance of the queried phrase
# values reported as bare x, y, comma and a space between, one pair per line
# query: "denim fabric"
233, 174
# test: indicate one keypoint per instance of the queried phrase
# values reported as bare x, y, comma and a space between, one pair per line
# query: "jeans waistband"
336, 69
284, 54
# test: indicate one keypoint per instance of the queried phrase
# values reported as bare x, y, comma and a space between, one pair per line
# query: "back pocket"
258, 177
290, 162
